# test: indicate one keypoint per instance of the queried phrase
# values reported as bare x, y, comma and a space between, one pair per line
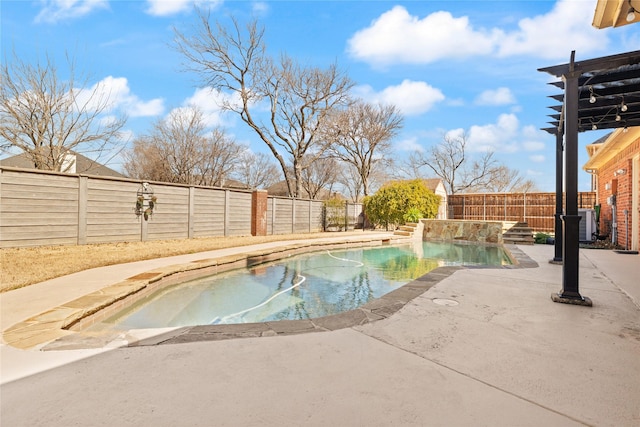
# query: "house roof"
433, 183
616, 141
84, 165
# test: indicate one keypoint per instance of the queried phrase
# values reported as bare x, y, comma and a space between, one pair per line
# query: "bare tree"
506, 180
181, 150
361, 135
256, 170
298, 98
319, 175
448, 160
528, 186
48, 117
351, 181
145, 161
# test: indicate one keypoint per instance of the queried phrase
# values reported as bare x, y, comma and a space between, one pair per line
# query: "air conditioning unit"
587, 224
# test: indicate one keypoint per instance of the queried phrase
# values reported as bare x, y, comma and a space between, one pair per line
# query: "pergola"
600, 93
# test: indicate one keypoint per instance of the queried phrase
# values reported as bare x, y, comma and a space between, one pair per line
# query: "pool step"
406, 230
519, 234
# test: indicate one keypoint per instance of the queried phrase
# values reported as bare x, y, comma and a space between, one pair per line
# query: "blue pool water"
300, 287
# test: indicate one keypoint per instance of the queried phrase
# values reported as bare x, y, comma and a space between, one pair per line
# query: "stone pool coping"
60, 328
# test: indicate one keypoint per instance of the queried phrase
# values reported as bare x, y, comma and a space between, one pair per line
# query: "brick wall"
612, 181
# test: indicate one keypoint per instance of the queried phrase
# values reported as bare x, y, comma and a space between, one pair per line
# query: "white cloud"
533, 137
167, 7
260, 8
396, 36
411, 97
500, 96
537, 158
60, 10
565, 28
533, 145
113, 93
500, 136
455, 133
140, 108
172, 7
210, 102
409, 144
531, 172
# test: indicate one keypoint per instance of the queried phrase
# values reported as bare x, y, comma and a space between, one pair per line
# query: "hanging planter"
145, 201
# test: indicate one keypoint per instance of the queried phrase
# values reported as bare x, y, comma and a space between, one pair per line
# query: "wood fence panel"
301, 220
110, 212
38, 209
283, 216
209, 211
49, 208
317, 216
239, 219
516, 210
170, 218
537, 209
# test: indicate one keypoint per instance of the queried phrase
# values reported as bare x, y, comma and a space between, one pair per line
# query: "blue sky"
449, 66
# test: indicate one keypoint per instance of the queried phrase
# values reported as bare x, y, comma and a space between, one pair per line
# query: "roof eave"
617, 141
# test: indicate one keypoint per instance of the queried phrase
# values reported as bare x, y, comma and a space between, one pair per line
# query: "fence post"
505, 206
310, 211
259, 213
293, 215
227, 202
463, 206
273, 215
191, 213
346, 216
83, 188
484, 207
524, 213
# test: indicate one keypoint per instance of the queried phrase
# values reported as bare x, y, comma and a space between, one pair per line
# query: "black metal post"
571, 220
557, 243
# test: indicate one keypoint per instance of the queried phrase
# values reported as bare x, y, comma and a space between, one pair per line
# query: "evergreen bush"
398, 202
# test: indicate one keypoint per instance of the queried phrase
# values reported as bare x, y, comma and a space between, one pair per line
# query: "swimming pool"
304, 286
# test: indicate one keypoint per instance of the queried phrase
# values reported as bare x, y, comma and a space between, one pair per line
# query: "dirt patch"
25, 266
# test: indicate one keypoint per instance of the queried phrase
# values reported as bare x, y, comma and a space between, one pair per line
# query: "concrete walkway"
481, 347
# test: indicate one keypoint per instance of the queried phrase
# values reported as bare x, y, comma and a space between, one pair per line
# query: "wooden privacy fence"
537, 209
47, 208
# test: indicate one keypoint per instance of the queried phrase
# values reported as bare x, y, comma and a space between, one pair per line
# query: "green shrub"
412, 215
541, 238
398, 201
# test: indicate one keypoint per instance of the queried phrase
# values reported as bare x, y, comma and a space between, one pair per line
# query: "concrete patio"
481, 346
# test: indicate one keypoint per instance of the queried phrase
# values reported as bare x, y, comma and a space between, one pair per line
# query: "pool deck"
479, 346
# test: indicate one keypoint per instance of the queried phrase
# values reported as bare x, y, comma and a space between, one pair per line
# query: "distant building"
74, 163
437, 186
